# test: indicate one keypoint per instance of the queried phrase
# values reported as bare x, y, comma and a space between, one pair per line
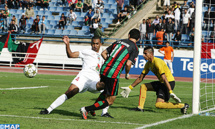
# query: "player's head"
96, 43
148, 53
134, 34
167, 43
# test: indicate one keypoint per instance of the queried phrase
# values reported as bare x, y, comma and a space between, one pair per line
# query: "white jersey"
91, 60
89, 75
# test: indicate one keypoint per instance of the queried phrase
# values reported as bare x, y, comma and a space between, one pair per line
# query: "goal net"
206, 62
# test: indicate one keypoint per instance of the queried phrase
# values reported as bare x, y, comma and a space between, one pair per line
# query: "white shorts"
166, 3
86, 81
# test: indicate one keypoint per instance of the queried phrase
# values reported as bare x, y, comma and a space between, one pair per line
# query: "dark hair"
149, 48
44, 16
167, 42
37, 15
95, 37
135, 34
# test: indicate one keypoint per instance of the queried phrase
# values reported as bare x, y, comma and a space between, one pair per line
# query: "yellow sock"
142, 96
169, 105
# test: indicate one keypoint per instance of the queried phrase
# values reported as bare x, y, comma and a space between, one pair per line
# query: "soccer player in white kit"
87, 78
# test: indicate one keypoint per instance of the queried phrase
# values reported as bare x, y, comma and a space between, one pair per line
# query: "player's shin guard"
101, 97
97, 106
142, 96
168, 105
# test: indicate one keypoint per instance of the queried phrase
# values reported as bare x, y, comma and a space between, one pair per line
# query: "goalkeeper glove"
126, 91
173, 96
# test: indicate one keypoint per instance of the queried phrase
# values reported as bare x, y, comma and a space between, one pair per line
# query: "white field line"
42, 118
165, 121
22, 88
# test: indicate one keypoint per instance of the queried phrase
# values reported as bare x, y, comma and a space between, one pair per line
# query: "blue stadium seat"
51, 32
105, 25
41, 13
212, 9
19, 12
204, 9
109, 21
30, 21
79, 19
75, 24
53, 22
48, 13
50, 17
184, 37
81, 33
51, 4
113, 6
105, 15
59, 9
78, 14
83, 14
54, 0
58, 32
57, 18
103, 20
107, 6
73, 32
13, 11
85, 28
52, 9
70, 27
66, 32
105, 1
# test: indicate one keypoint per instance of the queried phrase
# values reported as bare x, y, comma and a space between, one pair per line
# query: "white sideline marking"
128, 123
165, 121
22, 88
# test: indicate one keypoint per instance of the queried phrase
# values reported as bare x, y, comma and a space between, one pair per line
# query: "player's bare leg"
72, 90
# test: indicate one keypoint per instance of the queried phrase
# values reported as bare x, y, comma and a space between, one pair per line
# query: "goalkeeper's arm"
127, 90
172, 95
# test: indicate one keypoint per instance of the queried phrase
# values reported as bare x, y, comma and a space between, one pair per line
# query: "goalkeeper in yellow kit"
163, 87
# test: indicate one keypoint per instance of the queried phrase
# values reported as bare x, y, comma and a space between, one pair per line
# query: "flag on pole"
25, 53
4, 40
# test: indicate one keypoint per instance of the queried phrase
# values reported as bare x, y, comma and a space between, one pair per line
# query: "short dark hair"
95, 37
167, 42
135, 34
149, 48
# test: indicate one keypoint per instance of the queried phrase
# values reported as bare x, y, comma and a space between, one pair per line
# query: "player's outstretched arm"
69, 53
126, 90
172, 95
127, 69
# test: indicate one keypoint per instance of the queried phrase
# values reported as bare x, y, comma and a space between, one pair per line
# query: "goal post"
197, 57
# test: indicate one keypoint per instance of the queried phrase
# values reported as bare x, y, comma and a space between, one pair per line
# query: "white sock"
60, 100
105, 110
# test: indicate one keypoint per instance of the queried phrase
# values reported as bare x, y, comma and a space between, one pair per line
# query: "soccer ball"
30, 70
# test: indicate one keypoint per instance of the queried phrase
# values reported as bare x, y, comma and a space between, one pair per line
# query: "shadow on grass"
129, 108
65, 113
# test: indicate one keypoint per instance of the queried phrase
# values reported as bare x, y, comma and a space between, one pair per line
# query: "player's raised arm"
69, 53
127, 90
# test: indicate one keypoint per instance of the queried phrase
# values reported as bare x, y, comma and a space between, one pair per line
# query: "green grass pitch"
22, 106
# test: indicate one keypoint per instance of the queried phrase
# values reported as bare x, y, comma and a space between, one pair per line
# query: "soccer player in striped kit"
120, 54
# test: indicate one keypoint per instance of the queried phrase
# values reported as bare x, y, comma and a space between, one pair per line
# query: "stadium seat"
75, 24
50, 17
81, 33
73, 32
13, 11
40, 13
51, 32
30, 21
204, 9
184, 37
107, 6
79, 19
70, 27
105, 25
53, 22
59, 9
103, 20
57, 18
105, 15
83, 14
51, 4
212, 9
109, 21
52, 9
66, 32
58, 32
19, 12
48, 13
85, 28
78, 14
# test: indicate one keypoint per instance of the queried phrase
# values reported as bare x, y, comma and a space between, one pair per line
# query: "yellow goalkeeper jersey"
158, 67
